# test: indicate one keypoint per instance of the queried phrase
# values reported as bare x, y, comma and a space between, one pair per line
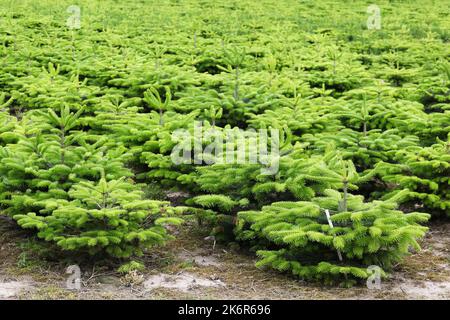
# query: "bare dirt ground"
189, 268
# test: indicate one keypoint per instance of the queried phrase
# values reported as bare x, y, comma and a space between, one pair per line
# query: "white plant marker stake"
330, 223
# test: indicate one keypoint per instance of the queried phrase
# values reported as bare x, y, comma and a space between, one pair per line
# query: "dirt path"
189, 268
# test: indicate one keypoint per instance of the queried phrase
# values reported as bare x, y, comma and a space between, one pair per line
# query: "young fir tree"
55, 179
105, 217
154, 101
7, 122
425, 172
146, 136
232, 176
331, 235
364, 149
313, 247
49, 89
158, 142
47, 155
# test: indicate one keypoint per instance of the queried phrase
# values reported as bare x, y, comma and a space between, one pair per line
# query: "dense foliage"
90, 117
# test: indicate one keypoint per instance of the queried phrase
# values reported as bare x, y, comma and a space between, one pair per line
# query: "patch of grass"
53, 292
32, 255
130, 267
188, 264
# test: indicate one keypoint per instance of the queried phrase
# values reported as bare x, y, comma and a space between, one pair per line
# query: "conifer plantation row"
89, 116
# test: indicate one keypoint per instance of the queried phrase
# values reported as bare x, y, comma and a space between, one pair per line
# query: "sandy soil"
189, 268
